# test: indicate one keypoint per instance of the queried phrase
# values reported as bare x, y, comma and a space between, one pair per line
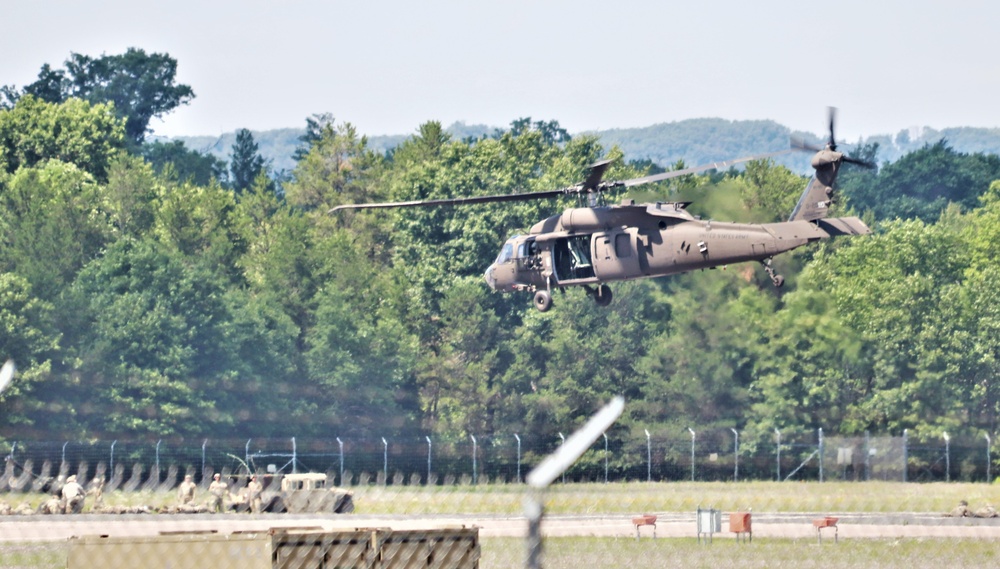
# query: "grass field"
627, 553
626, 498
630, 498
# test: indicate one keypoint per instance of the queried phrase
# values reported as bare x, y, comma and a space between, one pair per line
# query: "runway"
669, 525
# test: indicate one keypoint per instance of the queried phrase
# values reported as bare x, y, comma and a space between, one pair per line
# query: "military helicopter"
594, 245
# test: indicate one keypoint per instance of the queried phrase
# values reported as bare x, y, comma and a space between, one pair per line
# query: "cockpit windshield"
506, 254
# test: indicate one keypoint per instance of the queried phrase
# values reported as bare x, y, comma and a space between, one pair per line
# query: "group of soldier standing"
218, 491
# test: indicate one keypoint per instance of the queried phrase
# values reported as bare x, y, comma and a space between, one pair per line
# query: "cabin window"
527, 249
623, 246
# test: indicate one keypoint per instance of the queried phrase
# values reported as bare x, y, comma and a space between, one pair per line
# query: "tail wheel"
543, 300
603, 295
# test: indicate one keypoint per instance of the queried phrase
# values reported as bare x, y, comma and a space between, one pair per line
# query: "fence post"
821, 452
563, 439
690, 430
777, 459
649, 458
736, 455
605, 435
516, 436
340, 450
295, 456
385, 461
157, 459
203, 445
987, 435
475, 472
246, 454
906, 459
111, 463
868, 457
947, 458
428, 459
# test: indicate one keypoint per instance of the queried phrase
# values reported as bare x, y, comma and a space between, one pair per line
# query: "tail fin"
818, 195
816, 199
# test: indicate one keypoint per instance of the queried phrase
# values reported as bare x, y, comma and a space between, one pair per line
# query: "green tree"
74, 132
27, 336
201, 223
893, 290
697, 372
769, 191
315, 125
922, 183
459, 373
152, 353
359, 355
175, 160
129, 199
51, 225
245, 163
336, 170
140, 85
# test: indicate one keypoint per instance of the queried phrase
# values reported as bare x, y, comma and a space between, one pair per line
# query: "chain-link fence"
711, 455
423, 501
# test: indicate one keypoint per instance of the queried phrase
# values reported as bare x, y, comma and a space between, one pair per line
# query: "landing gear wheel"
776, 279
603, 295
543, 300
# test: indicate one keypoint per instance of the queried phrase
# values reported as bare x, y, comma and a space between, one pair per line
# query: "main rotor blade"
458, 201
695, 169
859, 162
591, 184
595, 174
832, 114
799, 144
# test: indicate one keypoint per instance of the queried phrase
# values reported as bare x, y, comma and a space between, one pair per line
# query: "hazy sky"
389, 66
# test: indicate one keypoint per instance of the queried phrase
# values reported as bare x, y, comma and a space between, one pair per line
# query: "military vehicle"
307, 493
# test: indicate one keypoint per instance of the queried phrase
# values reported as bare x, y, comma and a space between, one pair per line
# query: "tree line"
147, 290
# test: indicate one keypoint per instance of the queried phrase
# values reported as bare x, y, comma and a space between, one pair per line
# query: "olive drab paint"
592, 246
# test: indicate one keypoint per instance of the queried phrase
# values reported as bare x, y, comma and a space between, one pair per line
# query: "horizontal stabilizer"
843, 226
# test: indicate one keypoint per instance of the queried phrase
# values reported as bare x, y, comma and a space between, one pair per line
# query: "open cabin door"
616, 254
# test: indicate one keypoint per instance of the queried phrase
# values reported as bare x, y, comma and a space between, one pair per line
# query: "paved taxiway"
765, 525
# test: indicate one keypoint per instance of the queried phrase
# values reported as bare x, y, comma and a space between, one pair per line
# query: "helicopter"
594, 245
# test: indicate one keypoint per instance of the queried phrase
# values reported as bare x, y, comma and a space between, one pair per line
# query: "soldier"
52, 506
97, 490
986, 511
73, 495
24, 509
185, 492
217, 489
255, 488
961, 510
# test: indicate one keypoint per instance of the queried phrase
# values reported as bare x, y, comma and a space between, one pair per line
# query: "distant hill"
695, 141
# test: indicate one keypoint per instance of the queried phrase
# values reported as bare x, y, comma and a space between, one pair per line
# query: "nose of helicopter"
490, 279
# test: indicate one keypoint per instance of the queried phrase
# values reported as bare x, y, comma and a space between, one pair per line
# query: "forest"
148, 290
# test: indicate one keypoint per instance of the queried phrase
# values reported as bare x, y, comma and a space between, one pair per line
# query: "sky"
389, 66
